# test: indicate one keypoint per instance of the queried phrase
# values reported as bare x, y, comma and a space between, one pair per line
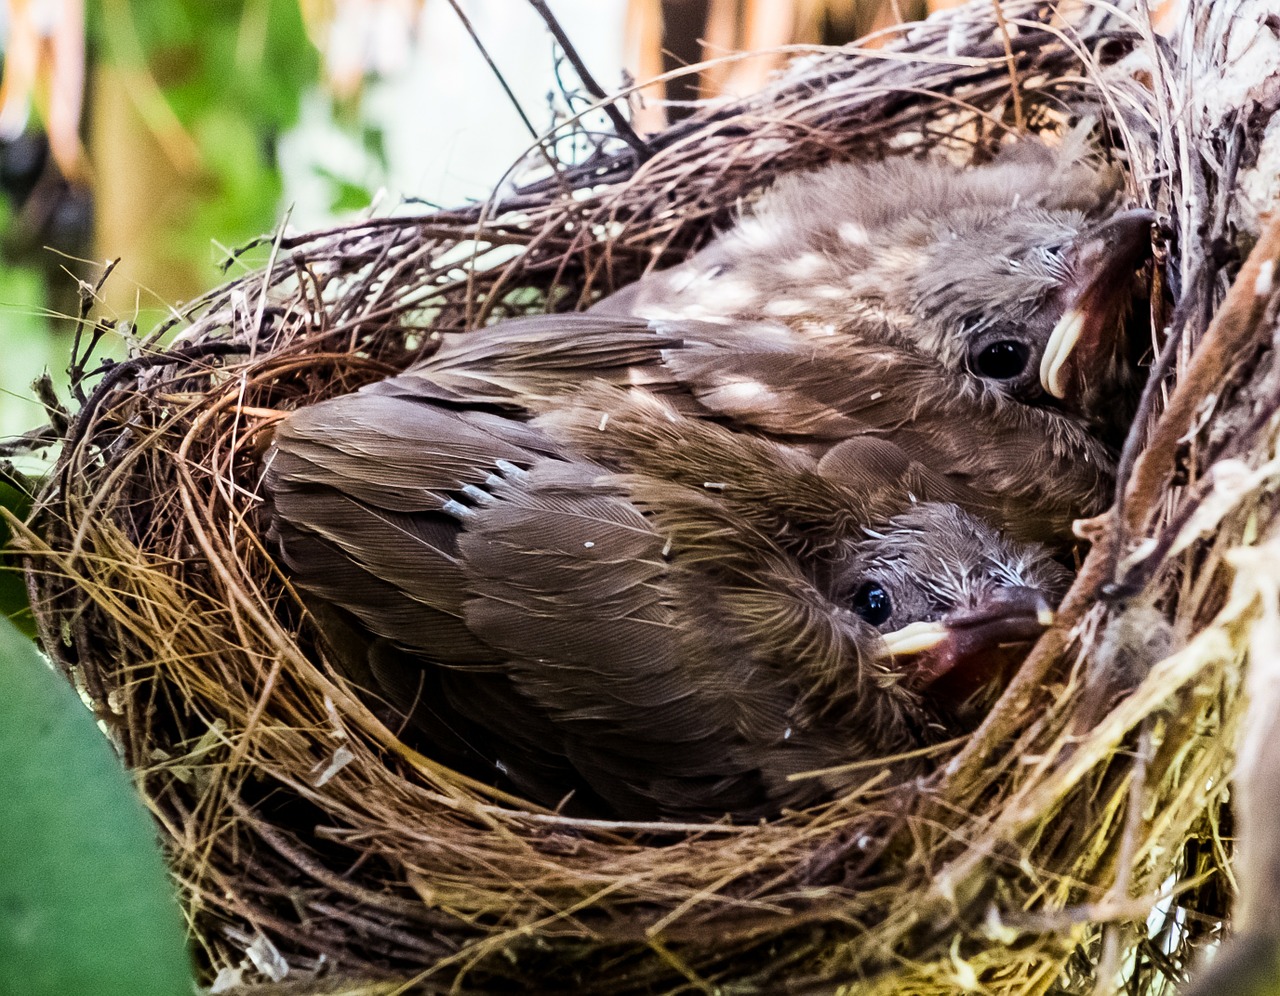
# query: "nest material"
313, 847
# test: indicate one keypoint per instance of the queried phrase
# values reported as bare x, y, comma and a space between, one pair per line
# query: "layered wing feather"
1032, 472
565, 624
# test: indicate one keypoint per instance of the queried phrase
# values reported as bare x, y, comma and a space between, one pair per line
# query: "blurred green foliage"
15, 498
28, 347
233, 72
347, 194
86, 905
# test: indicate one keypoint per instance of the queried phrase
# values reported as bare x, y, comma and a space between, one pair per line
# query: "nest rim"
157, 473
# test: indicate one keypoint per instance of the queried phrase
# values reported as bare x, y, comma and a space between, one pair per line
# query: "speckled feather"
921, 255
565, 622
963, 441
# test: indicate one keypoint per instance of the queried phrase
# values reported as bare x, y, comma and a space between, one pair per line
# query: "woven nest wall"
310, 844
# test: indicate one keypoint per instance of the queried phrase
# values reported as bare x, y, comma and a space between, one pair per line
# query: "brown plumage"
666, 624
1025, 468
1016, 277
728, 527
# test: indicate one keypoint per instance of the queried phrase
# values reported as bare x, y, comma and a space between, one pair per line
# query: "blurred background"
166, 133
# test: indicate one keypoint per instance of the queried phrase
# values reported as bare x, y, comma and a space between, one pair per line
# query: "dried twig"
608, 105
298, 821
1233, 331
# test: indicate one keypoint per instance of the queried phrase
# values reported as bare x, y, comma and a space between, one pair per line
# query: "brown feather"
1029, 470
566, 619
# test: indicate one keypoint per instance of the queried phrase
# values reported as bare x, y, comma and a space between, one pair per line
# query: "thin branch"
29, 442
538, 142
80, 355
1108, 967
493, 66
1129, 454
47, 395
623, 126
1229, 333
1014, 89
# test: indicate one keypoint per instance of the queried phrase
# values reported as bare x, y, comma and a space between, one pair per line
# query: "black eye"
1003, 359
872, 602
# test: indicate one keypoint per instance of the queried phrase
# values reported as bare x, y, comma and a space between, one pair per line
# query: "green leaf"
345, 195
13, 591
86, 905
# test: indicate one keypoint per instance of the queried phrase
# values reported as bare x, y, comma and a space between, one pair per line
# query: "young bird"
846, 401
667, 624
1016, 277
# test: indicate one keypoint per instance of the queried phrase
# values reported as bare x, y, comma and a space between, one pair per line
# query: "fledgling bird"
767, 517
1016, 276
1025, 468
657, 639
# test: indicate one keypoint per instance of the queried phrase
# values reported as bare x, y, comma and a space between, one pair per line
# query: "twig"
1109, 960
119, 371
88, 294
1015, 90
29, 442
1196, 293
20, 482
493, 66
1228, 334
47, 395
623, 126
1118, 532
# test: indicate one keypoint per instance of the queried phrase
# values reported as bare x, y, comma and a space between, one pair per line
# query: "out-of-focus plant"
87, 904
664, 35
176, 156
213, 84
361, 39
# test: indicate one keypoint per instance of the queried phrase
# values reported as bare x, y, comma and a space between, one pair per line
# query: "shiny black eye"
872, 602
1003, 359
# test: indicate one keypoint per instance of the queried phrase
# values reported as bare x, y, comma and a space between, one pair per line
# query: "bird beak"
917, 638
1086, 339
965, 647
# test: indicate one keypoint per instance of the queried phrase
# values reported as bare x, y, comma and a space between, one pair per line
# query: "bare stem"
623, 126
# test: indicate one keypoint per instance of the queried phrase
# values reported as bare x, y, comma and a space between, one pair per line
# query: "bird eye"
1003, 359
872, 602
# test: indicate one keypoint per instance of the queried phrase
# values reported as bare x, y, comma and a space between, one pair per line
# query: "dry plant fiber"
1079, 840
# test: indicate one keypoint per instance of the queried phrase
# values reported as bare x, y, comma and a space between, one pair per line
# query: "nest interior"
1080, 833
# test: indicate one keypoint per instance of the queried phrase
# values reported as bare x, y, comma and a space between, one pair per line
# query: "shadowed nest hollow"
1082, 829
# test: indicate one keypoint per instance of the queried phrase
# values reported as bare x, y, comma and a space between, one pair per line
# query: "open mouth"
1085, 339
965, 645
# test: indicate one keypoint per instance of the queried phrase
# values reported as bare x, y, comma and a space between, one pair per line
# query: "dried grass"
310, 844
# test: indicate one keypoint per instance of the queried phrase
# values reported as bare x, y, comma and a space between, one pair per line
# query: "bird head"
1033, 303
1018, 275
951, 598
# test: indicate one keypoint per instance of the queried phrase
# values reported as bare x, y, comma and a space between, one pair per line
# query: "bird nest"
1082, 831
